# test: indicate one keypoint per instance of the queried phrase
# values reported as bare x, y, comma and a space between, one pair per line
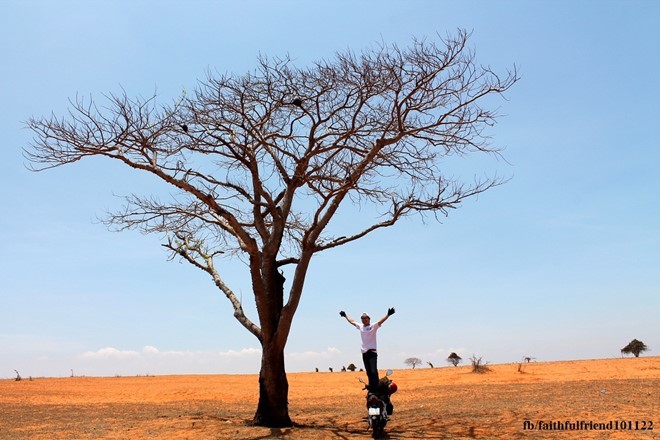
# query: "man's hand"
390, 311
342, 314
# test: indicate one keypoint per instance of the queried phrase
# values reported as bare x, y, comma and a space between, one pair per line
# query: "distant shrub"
478, 365
635, 347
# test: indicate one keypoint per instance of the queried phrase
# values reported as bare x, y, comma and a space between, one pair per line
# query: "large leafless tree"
260, 163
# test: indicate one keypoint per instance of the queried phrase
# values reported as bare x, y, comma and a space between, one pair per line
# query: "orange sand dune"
610, 398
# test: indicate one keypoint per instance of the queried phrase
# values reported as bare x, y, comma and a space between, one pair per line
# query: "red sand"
440, 403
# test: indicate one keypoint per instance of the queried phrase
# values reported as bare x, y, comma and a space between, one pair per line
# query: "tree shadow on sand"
428, 428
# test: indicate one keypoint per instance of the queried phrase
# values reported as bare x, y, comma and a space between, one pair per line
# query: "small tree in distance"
413, 362
351, 368
635, 347
454, 359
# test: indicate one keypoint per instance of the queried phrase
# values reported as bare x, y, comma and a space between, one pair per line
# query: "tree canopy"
413, 362
454, 359
634, 347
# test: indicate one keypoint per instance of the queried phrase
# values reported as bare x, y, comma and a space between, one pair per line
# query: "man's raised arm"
390, 312
348, 318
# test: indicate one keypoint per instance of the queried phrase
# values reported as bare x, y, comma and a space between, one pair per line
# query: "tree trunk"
273, 407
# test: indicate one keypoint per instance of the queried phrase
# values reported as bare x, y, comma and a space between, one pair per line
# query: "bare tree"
478, 365
260, 163
412, 362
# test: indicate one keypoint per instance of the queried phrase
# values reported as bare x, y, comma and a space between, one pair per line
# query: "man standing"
369, 346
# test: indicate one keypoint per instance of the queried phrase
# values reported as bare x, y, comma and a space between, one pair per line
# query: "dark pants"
370, 359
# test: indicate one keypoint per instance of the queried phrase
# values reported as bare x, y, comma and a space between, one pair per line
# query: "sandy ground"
440, 403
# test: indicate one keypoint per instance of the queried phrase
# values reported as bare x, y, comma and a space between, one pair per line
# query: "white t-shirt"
368, 335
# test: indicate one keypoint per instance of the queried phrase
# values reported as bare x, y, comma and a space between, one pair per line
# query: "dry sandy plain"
440, 403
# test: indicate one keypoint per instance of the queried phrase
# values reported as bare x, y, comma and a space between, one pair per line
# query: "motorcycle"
379, 406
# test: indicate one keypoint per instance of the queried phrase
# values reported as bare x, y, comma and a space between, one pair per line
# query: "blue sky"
562, 262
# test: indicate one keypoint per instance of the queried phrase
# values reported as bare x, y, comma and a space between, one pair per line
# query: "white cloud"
120, 361
110, 353
150, 350
151, 360
154, 352
240, 353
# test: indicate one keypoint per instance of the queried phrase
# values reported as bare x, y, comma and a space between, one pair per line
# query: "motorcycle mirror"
389, 373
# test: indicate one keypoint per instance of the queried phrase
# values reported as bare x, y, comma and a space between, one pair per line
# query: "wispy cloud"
151, 360
110, 353
304, 356
240, 353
